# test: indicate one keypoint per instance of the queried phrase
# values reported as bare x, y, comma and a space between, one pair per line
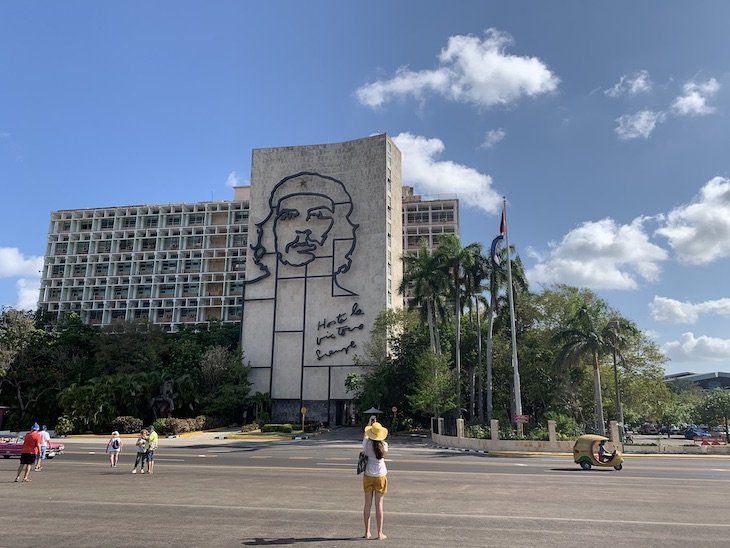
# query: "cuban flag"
495, 251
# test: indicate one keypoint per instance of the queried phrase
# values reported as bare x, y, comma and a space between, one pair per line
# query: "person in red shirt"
31, 448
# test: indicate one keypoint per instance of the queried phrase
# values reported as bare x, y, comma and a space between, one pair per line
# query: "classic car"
11, 447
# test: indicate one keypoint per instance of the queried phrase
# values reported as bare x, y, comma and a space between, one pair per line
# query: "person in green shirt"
151, 447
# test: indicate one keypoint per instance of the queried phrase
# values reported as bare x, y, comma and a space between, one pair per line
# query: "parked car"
12, 448
648, 429
674, 430
692, 433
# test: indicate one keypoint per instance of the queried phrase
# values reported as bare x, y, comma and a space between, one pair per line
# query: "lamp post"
614, 325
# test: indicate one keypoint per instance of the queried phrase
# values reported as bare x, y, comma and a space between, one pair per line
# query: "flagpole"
515, 363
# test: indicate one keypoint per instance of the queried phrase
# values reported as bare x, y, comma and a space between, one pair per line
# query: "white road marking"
334, 464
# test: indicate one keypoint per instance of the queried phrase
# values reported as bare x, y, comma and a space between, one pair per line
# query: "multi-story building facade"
325, 260
427, 220
168, 264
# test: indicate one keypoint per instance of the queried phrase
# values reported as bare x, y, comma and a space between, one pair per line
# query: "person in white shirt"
375, 478
45, 444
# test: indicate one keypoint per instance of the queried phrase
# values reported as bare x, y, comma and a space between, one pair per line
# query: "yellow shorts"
378, 484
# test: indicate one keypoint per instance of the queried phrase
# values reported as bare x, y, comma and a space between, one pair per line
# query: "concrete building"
325, 225
427, 219
169, 264
314, 244
708, 381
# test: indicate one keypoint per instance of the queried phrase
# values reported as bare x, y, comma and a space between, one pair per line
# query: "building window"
167, 290
82, 248
126, 245
65, 226
171, 243
101, 269
85, 225
194, 242
173, 220
240, 240
103, 247
169, 266
129, 222
443, 216
57, 271
151, 222
192, 266
79, 270
196, 219
240, 217
107, 224
61, 249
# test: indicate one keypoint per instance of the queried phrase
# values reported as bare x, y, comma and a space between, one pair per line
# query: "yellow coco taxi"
585, 453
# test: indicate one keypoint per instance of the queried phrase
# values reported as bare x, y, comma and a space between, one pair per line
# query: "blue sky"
604, 124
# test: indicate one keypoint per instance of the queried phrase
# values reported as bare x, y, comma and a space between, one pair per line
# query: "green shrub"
313, 426
477, 431
126, 424
65, 425
539, 433
161, 427
285, 428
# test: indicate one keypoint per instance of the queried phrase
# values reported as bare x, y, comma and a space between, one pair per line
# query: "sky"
605, 125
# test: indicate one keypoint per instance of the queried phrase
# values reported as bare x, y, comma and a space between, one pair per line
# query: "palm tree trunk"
429, 316
600, 425
480, 369
457, 311
490, 400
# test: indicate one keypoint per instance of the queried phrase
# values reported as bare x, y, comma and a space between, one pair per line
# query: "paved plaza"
213, 492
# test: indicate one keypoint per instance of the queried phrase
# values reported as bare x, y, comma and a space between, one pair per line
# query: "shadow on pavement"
283, 541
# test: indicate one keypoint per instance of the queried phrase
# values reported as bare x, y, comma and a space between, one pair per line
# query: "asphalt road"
208, 492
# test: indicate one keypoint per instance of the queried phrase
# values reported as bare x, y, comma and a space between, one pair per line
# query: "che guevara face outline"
301, 225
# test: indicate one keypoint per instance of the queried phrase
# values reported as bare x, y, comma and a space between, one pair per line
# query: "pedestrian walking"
114, 447
141, 445
151, 447
45, 444
31, 448
375, 478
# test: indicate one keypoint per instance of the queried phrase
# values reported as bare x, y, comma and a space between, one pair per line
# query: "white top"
375, 466
45, 438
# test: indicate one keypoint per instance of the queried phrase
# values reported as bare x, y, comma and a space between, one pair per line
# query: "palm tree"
582, 336
454, 259
475, 273
424, 280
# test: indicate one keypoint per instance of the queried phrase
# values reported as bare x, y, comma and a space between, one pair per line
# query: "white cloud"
28, 291
470, 71
601, 255
693, 101
691, 348
492, 137
234, 179
639, 124
14, 264
668, 310
431, 176
638, 82
699, 232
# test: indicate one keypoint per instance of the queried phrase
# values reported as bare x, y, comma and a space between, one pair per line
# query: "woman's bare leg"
366, 512
379, 515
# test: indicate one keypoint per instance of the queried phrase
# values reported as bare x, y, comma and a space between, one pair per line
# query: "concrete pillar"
441, 425
494, 428
613, 433
552, 433
459, 428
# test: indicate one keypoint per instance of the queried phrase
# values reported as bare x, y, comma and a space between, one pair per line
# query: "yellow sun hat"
376, 432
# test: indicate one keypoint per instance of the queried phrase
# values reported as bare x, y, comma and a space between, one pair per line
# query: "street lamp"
614, 326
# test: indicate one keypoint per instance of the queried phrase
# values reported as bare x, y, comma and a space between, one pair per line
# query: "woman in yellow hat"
375, 478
